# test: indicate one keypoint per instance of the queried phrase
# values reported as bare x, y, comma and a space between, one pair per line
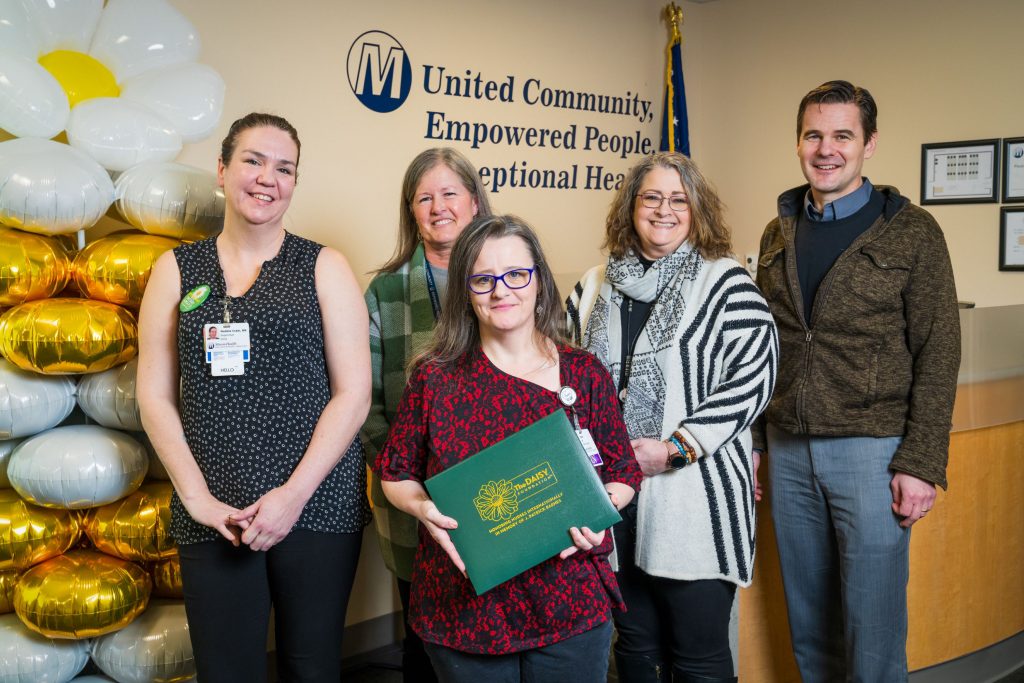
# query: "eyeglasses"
653, 200
513, 279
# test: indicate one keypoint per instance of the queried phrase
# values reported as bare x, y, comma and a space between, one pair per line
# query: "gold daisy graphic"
496, 501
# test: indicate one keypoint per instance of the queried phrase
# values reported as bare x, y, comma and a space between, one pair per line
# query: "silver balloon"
171, 199
78, 466
108, 397
31, 403
27, 657
154, 647
6, 448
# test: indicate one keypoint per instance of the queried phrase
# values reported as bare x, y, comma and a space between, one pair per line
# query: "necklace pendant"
622, 395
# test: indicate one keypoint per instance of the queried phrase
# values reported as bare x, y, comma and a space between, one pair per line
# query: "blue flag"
675, 133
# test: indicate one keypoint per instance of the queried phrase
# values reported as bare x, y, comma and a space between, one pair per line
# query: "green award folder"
515, 500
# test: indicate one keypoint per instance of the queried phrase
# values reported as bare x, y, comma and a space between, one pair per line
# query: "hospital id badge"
226, 337
587, 441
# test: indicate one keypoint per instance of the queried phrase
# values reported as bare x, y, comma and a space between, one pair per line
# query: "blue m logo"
379, 71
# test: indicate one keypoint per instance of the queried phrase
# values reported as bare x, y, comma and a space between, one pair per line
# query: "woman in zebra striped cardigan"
692, 349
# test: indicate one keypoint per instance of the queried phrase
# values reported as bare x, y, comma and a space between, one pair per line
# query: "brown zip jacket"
881, 354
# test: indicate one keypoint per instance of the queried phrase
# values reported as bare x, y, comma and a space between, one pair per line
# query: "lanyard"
435, 300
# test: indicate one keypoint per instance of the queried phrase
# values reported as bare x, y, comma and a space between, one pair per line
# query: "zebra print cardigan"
708, 372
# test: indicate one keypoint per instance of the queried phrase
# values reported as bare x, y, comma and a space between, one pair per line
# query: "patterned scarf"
662, 283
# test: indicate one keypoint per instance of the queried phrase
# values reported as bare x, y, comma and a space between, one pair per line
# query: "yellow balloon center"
81, 76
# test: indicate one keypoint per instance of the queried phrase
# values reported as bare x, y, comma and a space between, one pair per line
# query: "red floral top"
448, 415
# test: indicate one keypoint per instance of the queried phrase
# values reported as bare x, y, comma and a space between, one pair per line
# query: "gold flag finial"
674, 17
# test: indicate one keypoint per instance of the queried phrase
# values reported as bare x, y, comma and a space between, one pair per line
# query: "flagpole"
674, 16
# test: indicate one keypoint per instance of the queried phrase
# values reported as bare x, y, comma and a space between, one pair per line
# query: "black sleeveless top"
248, 432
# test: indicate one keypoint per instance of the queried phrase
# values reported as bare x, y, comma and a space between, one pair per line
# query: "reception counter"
966, 558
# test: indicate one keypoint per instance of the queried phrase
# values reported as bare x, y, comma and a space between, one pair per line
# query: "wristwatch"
676, 461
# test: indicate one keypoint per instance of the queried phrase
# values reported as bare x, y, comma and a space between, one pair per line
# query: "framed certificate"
1011, 238
1013, 170
959, 172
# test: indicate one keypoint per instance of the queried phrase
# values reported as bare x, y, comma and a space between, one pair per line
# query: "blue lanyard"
435, 300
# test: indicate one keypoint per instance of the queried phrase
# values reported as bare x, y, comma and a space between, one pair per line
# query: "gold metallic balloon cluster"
68, 336
136, 527
81, 594
31, 267
116, 268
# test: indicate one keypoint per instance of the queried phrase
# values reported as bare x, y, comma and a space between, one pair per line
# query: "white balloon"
109, 397
31, 403
32, 103
155, 647
135, 36
7, 447
18, 33
77, 467
119, 134
91, 678
171, 199
50, 188
27, 657
190, 96
65, 24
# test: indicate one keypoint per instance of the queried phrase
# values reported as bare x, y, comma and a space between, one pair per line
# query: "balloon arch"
97, 99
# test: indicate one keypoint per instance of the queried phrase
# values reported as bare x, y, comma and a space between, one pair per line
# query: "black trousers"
672, 625
229, 591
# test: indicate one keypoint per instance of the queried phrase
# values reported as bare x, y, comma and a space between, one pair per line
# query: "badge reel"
567, 397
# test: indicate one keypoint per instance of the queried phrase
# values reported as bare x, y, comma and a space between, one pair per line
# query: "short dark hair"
842, 92
257, 120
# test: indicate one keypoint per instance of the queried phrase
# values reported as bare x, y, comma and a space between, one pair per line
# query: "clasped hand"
260, 526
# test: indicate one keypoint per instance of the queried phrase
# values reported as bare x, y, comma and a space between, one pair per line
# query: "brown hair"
408, 230
458, 330
709, 234
841, 92
257, 120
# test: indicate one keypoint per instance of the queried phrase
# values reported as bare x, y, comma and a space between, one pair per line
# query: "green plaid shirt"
401, 324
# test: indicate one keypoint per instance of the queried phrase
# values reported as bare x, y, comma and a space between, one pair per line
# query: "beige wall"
293, 61
940, 70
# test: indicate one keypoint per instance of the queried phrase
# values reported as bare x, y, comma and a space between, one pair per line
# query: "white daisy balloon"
120, 79
130, 64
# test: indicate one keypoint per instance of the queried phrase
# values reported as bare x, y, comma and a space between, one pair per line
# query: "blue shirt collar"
844, 207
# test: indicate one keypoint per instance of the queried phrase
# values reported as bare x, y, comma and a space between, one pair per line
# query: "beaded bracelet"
684, 447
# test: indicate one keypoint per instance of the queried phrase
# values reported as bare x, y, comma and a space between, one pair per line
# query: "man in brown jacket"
857, 432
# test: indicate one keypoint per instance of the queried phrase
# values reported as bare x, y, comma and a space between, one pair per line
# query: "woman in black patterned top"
260, 438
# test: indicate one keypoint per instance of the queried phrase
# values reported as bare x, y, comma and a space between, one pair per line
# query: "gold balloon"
8, 580
167, 578
30, 534
68, 336
31, 267
135, 527
82, 594
116, 268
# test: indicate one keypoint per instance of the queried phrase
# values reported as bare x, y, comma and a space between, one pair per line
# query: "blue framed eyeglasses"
516, 278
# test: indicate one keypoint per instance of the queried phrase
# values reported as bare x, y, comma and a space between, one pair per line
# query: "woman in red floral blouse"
495, 366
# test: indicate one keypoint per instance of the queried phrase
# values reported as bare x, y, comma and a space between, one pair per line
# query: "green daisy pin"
194, 299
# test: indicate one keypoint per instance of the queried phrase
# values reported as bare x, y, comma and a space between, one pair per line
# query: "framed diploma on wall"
960, 172
1011, 238
1013, 170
